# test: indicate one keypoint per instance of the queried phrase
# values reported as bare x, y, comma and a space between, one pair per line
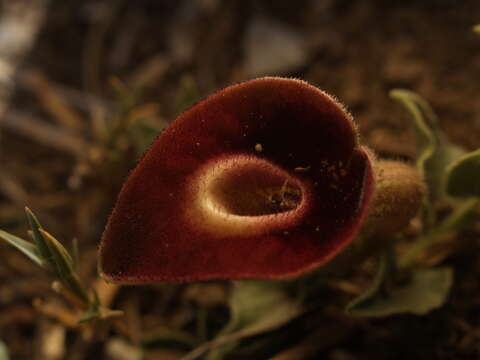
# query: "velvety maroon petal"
197, 206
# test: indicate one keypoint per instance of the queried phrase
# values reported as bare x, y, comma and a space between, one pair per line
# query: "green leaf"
463, 176
63, 260
24, 246
425, 290
256, 307
435, 152
259, 305
424, 122
37, 237
3, 351
63, 266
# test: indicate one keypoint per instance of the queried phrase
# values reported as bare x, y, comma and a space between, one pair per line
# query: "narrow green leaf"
42, 247
58, 246
58, 251
256, 307
435, 152
3, 351
93, 310
463, 176
24, 246
423, 121
63, 266
425, 290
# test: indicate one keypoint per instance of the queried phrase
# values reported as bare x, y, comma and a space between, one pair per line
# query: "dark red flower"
264, 179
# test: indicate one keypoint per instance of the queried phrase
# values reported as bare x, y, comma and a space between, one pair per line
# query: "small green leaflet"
24, 246
63, 266
49, 253
435, 152
424, 122
37, 237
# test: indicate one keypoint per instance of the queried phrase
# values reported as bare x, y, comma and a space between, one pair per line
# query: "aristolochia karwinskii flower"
264, 179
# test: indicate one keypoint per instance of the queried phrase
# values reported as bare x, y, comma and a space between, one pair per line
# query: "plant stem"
461, 215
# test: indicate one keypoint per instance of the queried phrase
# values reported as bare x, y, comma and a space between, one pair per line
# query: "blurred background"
85, 87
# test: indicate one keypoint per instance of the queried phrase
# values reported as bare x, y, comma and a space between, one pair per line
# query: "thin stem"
462, 214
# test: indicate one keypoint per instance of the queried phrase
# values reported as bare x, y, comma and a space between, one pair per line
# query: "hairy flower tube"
264, 179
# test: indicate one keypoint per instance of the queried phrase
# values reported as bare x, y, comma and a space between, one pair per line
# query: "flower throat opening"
252, 188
